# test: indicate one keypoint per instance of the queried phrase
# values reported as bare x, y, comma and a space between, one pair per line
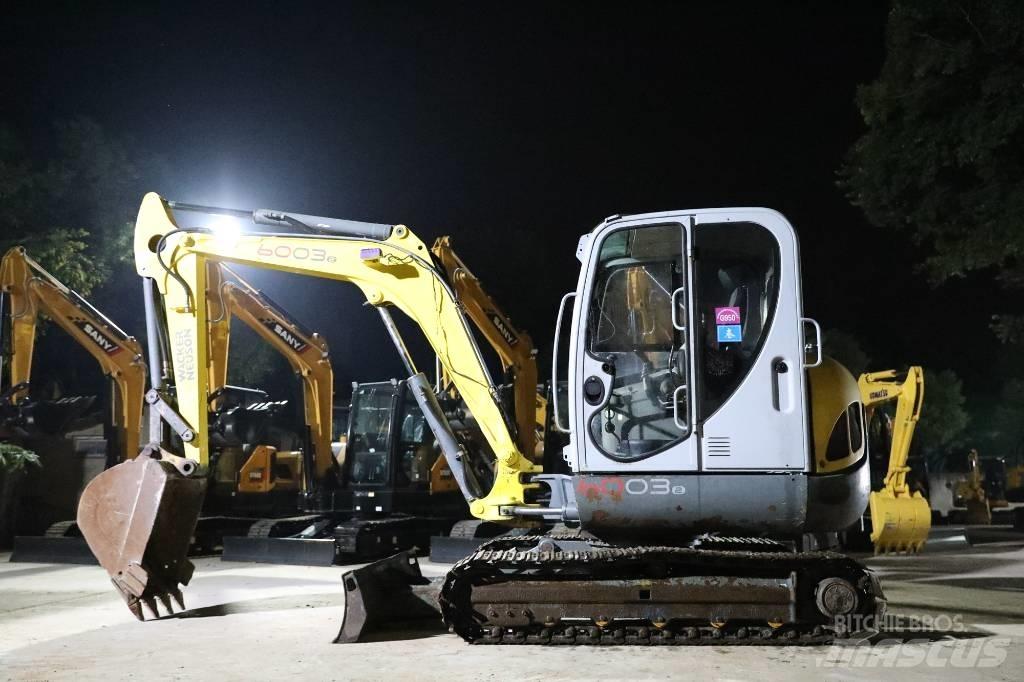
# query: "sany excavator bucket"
138, 519
385, 594
899, 522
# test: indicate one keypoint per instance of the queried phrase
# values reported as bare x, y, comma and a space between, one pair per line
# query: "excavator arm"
306, 352
32, 291
391, 267
138, 517
900, 517
514, 346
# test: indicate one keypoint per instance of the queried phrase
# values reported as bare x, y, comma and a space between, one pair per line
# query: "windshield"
372, 407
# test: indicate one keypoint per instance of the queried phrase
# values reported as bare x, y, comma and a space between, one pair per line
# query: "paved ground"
961, 617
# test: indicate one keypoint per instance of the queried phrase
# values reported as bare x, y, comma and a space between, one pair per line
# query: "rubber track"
514, 554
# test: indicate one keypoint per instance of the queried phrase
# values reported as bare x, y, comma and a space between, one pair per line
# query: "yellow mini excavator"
900, 517
28, 291
31, 291
696, 508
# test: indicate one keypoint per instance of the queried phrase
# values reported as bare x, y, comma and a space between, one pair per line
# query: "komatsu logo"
294, 342
881, 393
499, 324
105, 344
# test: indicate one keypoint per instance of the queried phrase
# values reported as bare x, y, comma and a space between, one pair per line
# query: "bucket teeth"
135, 606
178, 599
150, 603
165, 599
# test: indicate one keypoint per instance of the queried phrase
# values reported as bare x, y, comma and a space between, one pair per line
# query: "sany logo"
730, 315
506, 333
108, 346
295, 343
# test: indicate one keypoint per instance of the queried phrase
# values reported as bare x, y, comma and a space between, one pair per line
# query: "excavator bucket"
385, 594
898, 523
138, 519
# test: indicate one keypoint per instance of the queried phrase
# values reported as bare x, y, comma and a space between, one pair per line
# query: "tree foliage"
16, 458
70, 199
846, 350
943, 155
253, 363
943, 416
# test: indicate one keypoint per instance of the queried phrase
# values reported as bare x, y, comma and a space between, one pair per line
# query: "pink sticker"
730, 315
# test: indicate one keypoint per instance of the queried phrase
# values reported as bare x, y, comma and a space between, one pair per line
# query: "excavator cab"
392, 460
688, 364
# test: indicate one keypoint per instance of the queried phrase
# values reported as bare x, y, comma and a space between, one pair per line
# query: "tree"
846, 349
943, 417
942, 156
71, 199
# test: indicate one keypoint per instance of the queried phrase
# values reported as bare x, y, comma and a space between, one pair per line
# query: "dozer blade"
384, 594
899, 524
138, 519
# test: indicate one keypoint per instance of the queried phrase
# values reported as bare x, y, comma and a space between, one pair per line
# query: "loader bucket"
385, 594
899, 523
138, 519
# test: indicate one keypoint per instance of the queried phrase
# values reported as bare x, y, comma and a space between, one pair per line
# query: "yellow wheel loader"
696, 509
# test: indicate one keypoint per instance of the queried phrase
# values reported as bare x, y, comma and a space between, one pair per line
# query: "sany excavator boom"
31, 291
900, 518
514, 346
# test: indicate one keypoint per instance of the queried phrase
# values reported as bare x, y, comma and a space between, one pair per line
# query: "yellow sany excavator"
30, 291
265, 468
693, 471
900, 517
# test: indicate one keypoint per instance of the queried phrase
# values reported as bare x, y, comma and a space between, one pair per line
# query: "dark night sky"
514, 127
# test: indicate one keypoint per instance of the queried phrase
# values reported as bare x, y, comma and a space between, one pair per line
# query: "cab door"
748, 343
633, 409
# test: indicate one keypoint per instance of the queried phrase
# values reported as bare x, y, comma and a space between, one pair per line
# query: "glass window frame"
687, 284
699, 342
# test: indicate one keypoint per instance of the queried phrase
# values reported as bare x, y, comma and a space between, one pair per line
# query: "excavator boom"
513, 345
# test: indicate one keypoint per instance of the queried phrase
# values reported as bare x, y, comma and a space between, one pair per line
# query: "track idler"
384, 594
138, 519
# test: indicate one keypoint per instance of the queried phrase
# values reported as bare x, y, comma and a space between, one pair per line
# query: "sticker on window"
729, 333
728, 316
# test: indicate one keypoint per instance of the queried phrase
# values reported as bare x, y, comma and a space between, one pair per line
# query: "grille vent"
719, 446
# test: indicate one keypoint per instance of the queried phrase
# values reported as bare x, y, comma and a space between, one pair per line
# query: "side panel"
739, 503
